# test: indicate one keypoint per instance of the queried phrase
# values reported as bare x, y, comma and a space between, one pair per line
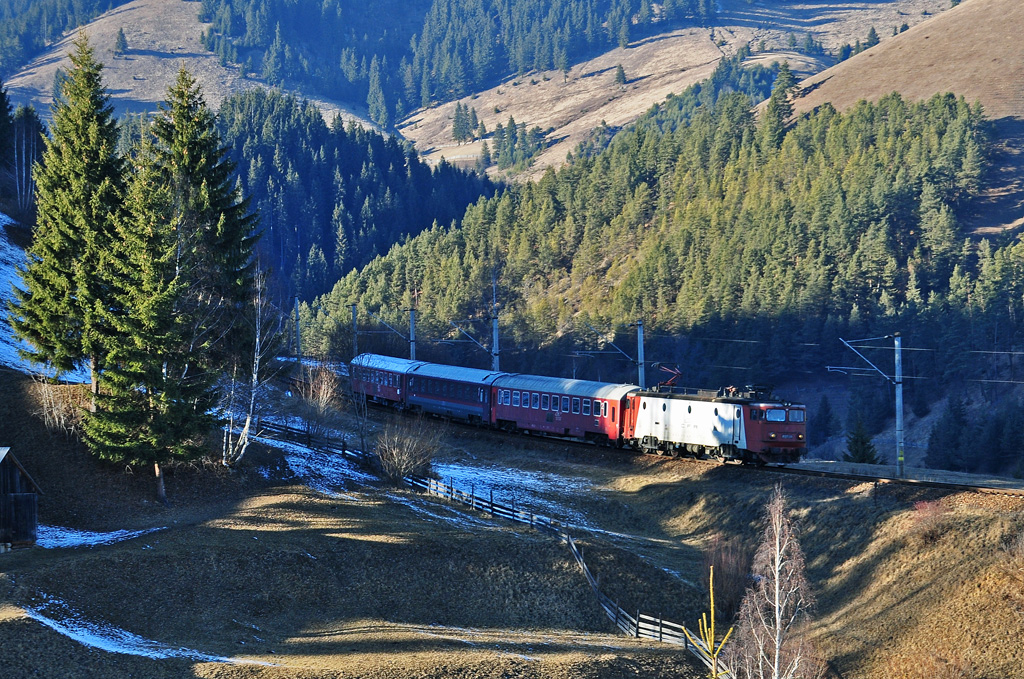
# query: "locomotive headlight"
771, 435
800, 436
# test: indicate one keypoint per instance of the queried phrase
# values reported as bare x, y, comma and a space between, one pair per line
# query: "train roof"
719, 396
559, 385
457, 373
390, 363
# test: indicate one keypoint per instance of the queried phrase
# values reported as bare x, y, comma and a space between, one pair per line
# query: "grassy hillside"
369, 582
973, 51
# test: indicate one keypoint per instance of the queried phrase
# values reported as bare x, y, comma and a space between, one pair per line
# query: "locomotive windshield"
796, 416
776, 415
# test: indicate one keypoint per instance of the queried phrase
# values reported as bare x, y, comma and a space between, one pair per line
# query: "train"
747, 425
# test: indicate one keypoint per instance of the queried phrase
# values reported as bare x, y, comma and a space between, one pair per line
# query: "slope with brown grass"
974, 50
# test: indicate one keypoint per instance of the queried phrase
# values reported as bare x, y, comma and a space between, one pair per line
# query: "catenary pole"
412, 334
640, 353
899, 404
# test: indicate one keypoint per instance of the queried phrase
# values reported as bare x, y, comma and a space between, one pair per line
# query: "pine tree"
822, 425
157, 398
375, 101
859, 447
120, 43
215, 228
620, 75
79, 195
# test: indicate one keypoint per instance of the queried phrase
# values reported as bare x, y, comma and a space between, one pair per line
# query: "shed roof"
6, 454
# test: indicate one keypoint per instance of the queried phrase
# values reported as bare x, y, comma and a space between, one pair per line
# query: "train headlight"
771, 435
800, 436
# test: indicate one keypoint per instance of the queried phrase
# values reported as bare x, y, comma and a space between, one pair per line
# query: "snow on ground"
63, 619
530, 490
57, 537
12, 257
328, 473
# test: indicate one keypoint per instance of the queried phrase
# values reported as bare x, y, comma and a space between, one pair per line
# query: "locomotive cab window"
796, 416
776, 415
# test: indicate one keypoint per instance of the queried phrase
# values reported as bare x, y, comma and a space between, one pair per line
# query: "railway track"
336, 445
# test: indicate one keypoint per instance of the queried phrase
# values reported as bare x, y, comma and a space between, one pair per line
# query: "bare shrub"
730, 561
320, 394
929, 521
407, 446
60, 406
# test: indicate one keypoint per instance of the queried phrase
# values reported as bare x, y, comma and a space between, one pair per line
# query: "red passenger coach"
381, 378
560, 407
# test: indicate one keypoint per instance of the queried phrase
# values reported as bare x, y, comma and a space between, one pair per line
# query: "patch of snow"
58, 537
528, 489
435, 512
12, 257
60, 617
327, 473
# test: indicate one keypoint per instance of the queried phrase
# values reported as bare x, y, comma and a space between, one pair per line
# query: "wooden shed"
18, 502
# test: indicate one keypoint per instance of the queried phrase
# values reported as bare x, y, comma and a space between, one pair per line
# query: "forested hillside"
27, 26
424, 51
332, 197
779, 239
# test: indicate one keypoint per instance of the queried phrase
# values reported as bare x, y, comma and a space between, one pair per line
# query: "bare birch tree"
265, 321
768, 645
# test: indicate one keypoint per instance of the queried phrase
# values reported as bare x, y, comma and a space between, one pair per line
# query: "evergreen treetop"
79, 194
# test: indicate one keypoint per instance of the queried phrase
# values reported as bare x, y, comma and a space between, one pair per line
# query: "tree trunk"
95, 384
161, 492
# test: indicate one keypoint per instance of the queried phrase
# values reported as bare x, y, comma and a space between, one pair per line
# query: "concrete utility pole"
896, 381
495, 352
298, 340
640, 354
899, 404
412, 334
355, 332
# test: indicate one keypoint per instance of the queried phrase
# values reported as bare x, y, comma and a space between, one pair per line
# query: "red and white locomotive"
747, 425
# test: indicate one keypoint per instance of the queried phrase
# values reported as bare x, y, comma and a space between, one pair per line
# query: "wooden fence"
637, 625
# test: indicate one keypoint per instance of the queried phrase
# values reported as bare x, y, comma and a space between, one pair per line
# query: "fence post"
638, 623
472, 495
661, 627
616, 613
492, 502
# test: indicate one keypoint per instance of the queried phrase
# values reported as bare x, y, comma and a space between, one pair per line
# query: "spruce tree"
859, 447
79, 188
157, 393
214, 226
120, 43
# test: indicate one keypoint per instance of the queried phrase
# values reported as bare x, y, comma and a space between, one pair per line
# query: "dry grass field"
368, 581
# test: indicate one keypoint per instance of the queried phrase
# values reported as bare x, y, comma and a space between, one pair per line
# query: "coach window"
565, 404
586, 406
775, 415
576, 406
515, 398
613, 413
545, 401
604, 409
535, 401
796, 416
554, 403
